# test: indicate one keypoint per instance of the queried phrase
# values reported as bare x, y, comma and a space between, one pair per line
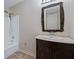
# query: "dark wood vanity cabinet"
53, 50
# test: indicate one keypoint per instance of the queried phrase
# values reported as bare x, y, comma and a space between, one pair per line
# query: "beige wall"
29, 12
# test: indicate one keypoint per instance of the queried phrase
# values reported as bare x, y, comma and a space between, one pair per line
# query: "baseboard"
28, 53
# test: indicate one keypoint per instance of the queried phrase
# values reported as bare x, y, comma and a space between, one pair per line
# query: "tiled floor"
20, 55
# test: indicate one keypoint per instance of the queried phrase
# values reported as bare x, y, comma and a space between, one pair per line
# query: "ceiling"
10, 3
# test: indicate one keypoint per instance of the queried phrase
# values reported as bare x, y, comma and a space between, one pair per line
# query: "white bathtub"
10, 50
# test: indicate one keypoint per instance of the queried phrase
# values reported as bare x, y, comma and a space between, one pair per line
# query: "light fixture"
46, 1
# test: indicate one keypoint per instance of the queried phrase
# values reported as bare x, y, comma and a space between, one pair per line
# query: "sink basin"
55, 38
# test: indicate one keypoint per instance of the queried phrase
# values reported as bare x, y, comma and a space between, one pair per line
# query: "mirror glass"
52, 18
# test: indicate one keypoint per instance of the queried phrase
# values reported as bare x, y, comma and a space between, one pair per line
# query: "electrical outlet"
25, 44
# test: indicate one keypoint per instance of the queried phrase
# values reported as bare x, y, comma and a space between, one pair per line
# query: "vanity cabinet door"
64, 51
43, 51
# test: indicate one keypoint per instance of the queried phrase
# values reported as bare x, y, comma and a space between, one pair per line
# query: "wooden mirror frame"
61, 17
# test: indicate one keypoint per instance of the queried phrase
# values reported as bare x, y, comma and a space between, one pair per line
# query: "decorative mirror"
53, 18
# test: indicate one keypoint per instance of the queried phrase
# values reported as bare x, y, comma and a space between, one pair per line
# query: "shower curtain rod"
8, 12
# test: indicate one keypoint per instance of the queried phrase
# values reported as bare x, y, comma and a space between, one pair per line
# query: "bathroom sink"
47, 36
55, 38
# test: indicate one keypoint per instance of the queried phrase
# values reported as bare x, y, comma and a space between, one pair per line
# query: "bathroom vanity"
54, 47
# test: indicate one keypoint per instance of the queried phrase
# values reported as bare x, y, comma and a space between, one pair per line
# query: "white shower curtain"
11, 34
6, 30
11, 31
